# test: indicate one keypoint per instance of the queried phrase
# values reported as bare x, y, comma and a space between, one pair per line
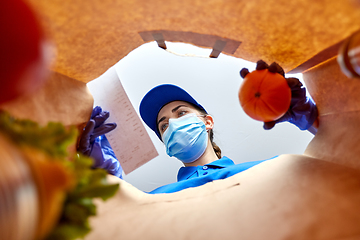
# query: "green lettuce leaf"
54, 139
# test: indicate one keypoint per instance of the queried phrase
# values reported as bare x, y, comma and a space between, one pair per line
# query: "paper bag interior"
310, 196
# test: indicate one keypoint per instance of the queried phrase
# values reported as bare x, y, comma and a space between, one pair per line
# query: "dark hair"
216, 148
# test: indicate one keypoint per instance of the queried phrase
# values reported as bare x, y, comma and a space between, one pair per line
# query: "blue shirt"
199, 175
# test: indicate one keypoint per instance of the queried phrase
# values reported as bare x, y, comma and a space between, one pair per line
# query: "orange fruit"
264, 96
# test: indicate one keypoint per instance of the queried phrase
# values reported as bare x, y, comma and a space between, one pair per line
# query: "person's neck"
208, 157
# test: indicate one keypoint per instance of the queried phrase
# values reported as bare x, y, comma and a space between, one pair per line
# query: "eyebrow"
173, 110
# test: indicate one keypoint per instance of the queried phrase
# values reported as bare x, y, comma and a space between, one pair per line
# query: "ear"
209, 122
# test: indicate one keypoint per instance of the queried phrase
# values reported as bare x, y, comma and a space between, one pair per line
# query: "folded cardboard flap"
105, 31
338, 101
290, 197
61, 99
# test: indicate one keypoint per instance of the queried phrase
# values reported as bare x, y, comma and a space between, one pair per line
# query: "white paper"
129, 140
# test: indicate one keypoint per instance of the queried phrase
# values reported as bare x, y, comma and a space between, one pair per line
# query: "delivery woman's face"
174, 109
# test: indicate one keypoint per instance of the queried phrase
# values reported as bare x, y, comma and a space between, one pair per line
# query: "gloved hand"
302, 111
104, 157
93, 142
93, 129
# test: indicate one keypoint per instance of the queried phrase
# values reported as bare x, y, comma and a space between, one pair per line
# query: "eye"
163, 127
182, 113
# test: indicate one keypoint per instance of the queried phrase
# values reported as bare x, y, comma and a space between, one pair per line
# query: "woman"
186, 130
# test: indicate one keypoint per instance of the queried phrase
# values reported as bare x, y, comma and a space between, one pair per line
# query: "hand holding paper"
93, 143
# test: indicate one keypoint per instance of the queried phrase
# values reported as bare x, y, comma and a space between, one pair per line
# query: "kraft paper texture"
91, 36
310, 196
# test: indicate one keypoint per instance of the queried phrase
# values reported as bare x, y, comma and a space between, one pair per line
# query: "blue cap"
158, 97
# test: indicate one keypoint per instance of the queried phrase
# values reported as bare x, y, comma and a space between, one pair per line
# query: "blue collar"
185, 172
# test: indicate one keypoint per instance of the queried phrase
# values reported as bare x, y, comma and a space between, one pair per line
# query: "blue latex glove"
93, 129
302, 111
94, 144
104, 157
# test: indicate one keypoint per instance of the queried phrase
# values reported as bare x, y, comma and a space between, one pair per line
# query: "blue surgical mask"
186, 138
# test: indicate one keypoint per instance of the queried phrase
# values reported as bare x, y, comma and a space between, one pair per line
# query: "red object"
264, 96
23, 60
